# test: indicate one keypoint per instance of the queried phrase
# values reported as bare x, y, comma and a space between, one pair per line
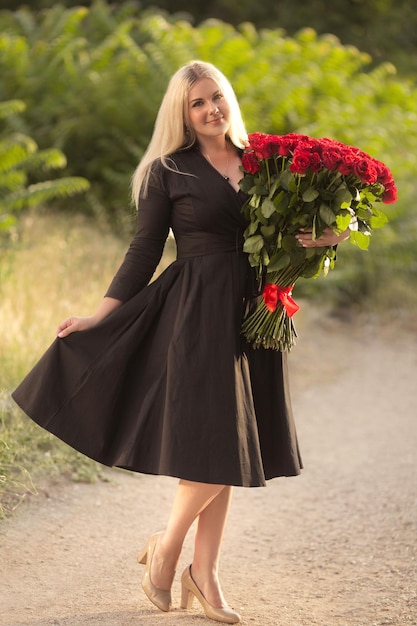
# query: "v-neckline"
211, 166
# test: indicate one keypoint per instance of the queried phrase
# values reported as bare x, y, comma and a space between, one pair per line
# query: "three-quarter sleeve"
146, 247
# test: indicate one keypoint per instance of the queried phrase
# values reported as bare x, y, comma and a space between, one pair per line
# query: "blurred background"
80, 85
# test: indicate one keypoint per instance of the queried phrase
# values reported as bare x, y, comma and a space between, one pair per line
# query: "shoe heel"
142, 556
189, 590
187, 598
159, 597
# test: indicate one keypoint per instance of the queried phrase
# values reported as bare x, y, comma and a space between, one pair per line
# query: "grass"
62, 265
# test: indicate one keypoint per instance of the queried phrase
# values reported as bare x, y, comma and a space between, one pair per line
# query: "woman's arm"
141, 259
146, 247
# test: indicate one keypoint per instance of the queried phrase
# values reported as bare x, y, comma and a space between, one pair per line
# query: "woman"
159, 379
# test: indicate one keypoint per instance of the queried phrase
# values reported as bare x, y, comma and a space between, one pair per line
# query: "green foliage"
19, 158
93, 79
384, 28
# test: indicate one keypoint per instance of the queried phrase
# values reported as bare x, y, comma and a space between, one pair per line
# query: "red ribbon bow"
273, 293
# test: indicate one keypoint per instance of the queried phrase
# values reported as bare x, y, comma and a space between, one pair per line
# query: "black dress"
166, 384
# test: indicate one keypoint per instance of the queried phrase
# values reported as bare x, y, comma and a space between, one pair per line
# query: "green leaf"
361, 240
314, 267
310, 194
255, 259
327, 214
273, 188
265, 257
297, 256
254, 244
342, 196
252, 228
281, 201
286, 178
278, 261
39, 193
364, 228
310, 252
289, 243
267, 207
246, 183
378, 220
343, 221
11, 107
268, 231
257, 214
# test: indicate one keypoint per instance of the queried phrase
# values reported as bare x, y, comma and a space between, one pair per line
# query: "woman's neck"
218, 145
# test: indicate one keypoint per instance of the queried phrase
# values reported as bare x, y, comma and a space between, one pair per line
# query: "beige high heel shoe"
189, 590
160, 597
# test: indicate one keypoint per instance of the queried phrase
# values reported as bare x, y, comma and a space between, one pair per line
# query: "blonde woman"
160, 381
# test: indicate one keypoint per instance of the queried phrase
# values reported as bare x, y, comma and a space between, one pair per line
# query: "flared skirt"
167, 385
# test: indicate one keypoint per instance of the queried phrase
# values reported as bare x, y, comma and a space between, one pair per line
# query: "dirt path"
333, 547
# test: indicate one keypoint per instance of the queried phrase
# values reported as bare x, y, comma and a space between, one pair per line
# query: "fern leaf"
27, 144
11, 180
40, 193
50, 159
11, 156
11, 107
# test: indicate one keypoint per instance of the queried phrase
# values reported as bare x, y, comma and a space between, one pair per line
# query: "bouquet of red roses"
296, 183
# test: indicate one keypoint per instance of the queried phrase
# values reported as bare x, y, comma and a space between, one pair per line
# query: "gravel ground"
335, 546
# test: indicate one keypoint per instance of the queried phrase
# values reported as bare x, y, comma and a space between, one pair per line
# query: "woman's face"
208, 110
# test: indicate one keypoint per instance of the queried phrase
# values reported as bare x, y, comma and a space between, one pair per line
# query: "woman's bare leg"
190, 500
208, 540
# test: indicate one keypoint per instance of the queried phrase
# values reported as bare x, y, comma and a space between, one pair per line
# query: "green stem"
268, 174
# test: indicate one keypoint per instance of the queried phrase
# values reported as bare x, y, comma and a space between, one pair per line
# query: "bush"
19, 158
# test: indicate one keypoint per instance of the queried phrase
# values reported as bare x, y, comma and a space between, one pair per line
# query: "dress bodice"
197, 203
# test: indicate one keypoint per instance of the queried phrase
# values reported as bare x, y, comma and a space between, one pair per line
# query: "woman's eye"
197, 104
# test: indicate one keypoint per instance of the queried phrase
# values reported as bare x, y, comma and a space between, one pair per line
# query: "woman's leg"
208, 540
191, 499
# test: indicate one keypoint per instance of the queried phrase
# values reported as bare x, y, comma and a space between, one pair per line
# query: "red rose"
287, 143
365, 170
331, 158
315, 162
285, 146
383, 173
345, 167
274, 143
390, 194
257, 139
261, 144
250, 162
300, 162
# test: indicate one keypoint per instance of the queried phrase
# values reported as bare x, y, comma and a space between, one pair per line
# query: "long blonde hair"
172, 131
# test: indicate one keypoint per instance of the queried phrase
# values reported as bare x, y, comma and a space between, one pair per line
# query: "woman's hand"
327, 238
75, 324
